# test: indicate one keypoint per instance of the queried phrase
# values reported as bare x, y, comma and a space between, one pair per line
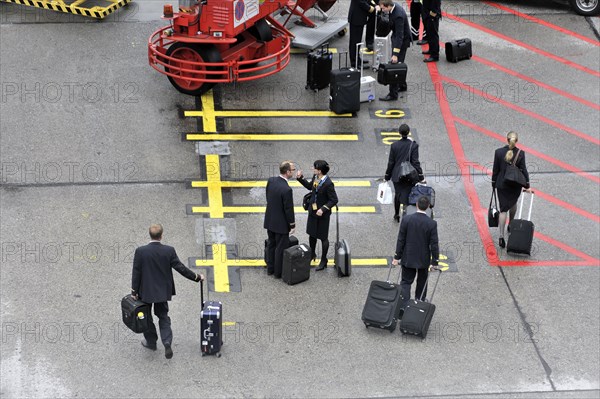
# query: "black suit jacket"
398, 154
358, 13
417, 245
326, 196
279, 216
401, 35
500, 166
433, 5
152, 276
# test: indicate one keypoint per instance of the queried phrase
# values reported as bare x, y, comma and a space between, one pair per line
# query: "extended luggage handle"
340, 59
202, 293
337, 224
521, 205
434, 287
357, 56
390, 272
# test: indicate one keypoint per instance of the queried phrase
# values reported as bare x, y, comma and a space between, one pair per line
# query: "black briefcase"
392, 74
458, 50
135, 314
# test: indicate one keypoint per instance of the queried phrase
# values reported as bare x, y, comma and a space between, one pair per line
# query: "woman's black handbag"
384, 27
407, 170
493, 212
513, 175
306, 201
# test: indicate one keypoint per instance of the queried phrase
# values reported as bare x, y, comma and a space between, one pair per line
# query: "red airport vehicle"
219, 41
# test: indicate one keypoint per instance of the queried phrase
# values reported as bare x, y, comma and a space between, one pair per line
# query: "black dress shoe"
145, 344
388, 98
321, 266
276, 276
396, 218
422, 42
427, 52
431, 59
501, 242
270, 273
168, 351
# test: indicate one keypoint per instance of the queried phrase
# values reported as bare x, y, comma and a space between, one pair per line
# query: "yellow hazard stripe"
263, 183
359, 262
270, 137
261, 209
74, 8
264, 114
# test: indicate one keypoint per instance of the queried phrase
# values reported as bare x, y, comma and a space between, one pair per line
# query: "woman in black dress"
508, 195
322, 199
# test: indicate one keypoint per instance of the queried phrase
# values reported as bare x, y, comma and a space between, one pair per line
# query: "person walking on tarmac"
508, 195
401, 38
152, 283
320, 202
358, 14
402, 150
432, 13
279, 217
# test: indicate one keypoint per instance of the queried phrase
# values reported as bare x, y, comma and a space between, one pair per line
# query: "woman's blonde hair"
512, 139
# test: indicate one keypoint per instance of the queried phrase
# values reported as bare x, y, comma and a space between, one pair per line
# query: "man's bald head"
156, 231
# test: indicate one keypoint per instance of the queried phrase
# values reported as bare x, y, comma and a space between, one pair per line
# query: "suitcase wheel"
218, 354
342, 33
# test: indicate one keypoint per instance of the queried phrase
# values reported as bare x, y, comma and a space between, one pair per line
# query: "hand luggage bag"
382, 48
211, 326
367, 83
520, 238
418, 314
419, 190
457, 50
318, 68
382, 307
293, 241
344, 90
296, 264
393, 74
342, 251
135, 314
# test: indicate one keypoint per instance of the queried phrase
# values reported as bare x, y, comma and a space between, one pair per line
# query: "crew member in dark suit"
279, 217
402, 150
416, 15
322, 199
508, 195
432, 13
401, 38
152, 282
417, 250
358, 13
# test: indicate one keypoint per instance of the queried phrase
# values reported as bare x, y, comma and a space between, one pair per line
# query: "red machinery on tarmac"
219, 41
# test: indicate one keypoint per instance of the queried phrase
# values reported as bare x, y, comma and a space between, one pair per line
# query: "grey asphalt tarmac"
93, 150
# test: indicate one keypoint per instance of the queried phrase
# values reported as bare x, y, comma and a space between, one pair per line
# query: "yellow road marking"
303, 51
215, 194
271, 137
218, 213
263, 183
207, 112
209, 122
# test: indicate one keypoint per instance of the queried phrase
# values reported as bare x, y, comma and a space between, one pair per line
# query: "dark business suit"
279, 220
416, 11
401, 38
507, 195
358, 14
152, 280
417, 248
432, 25
398, 154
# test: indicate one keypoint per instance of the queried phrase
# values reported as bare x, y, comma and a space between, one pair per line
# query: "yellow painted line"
215, 194
220, 268
261, 262
304, 51
261, 209
263, 183
260, 114
271, 137
228, 323
209, 121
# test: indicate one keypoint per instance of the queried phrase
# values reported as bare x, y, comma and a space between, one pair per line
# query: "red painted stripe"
530, 150
513, 263
546, 196
536, 82
543, 23
524, 45
567, 248
522, 110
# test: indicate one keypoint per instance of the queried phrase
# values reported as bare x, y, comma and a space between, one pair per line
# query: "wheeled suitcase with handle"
382, 307
418, 314
211, 325
393, 74
421, 189
296, 264
293, 241
318, 68
342, 251
520, 239
135, 314
367, 83
458, 50
344, 90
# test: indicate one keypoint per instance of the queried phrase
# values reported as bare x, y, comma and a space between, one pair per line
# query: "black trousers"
408, 276
356, 33
416, 9
161, 310
432, 25
402, 191
397, 88
370, 33
277, 244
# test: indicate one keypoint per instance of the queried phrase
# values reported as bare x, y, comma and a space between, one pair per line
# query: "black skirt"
508, 197
318, 226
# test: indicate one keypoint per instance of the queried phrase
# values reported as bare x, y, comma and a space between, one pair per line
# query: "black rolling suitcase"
382, 307
342, 251
458, 50
135, 314
293, 241
211, 326
318, 68
520, 238
392, 74
344, 89
296, 264
418, 314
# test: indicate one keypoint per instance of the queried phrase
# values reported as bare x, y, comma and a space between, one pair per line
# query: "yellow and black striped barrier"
76, 7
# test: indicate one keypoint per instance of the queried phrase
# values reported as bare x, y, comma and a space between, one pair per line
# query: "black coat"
279, 215
401, 36
418, 245
507, 195
326, 199
398, 154
358, 13
432, 5
152, 276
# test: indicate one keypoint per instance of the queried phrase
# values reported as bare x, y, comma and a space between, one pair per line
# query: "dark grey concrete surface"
91, 152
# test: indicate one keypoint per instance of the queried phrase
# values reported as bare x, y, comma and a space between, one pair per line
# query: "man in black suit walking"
358, 14
279, 217
418, 249
152, 282
401, 38
432, 13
